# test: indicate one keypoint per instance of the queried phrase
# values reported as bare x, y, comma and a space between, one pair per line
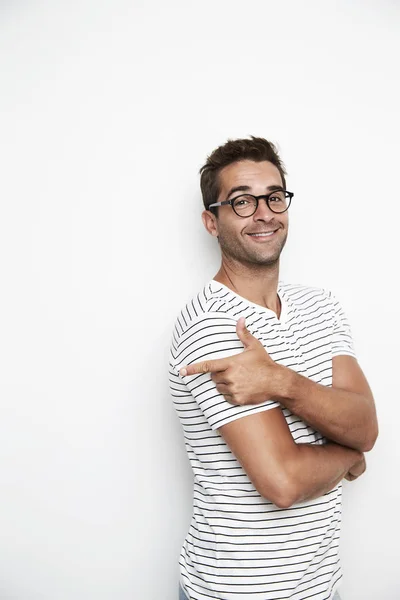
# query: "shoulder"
308, 304
304, 295
210, 307
205, 327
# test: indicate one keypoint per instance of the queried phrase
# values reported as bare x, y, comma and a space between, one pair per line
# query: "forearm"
282, 471
316, 470
345, 417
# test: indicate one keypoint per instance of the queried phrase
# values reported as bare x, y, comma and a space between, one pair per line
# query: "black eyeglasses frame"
265, 197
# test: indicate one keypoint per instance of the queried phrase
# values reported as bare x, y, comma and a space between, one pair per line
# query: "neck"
256, 283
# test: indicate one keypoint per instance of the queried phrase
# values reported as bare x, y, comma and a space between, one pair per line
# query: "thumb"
244, 334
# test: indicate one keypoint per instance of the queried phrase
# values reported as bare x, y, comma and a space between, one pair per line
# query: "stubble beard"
253, 258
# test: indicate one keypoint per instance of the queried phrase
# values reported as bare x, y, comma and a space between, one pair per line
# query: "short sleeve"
342, 341
212, 336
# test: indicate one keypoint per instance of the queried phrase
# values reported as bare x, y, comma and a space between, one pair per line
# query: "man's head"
254, 148
252, 167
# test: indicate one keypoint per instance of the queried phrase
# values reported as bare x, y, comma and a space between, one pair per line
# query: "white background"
108, 111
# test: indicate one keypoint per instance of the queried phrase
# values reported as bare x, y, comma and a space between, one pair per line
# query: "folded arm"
282, 471
344, 413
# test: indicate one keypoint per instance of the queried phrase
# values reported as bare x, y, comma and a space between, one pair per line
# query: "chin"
266, 261
260, 257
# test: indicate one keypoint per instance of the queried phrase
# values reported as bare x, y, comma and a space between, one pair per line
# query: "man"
274, 406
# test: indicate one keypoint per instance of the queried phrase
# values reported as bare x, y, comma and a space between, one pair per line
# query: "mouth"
260, 235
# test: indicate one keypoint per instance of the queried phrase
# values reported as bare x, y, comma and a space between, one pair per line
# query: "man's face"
256, 240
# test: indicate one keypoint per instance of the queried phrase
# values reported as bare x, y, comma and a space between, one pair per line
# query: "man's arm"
282, 471
344, 413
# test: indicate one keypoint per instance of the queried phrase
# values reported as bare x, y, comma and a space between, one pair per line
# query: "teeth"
262, 234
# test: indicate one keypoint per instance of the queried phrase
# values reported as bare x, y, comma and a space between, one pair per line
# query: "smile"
263, 234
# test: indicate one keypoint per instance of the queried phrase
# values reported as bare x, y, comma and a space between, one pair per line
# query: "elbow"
370, 440
286, 500
283, 494
282, 485
367, 445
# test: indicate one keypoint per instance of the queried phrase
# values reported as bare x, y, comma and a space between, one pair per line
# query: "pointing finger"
208, 366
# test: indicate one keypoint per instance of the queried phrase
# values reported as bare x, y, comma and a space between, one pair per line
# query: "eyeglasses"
246, 205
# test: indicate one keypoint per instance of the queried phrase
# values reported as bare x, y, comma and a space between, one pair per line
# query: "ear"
210, 222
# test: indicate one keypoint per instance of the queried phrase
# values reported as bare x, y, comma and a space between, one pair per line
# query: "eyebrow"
246, 188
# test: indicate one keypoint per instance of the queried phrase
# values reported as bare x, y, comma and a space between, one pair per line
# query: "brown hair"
253, 148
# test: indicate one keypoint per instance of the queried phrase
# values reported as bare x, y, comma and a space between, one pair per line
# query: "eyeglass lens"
246, 205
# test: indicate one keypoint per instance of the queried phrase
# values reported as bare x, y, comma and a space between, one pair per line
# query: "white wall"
108, 111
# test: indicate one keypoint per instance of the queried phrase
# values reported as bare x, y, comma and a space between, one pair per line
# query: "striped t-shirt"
240, 545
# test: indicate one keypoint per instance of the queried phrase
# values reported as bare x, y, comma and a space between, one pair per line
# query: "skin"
282, 471
249, 266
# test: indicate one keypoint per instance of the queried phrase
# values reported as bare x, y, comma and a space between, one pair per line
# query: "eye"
277, 197
242, 201
244, 205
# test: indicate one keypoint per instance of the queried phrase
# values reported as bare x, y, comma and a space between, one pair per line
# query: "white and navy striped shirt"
240, 545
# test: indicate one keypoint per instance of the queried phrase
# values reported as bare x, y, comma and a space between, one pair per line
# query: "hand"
250, 377
356, 470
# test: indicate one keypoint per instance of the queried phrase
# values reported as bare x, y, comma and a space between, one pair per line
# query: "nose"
263, 212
